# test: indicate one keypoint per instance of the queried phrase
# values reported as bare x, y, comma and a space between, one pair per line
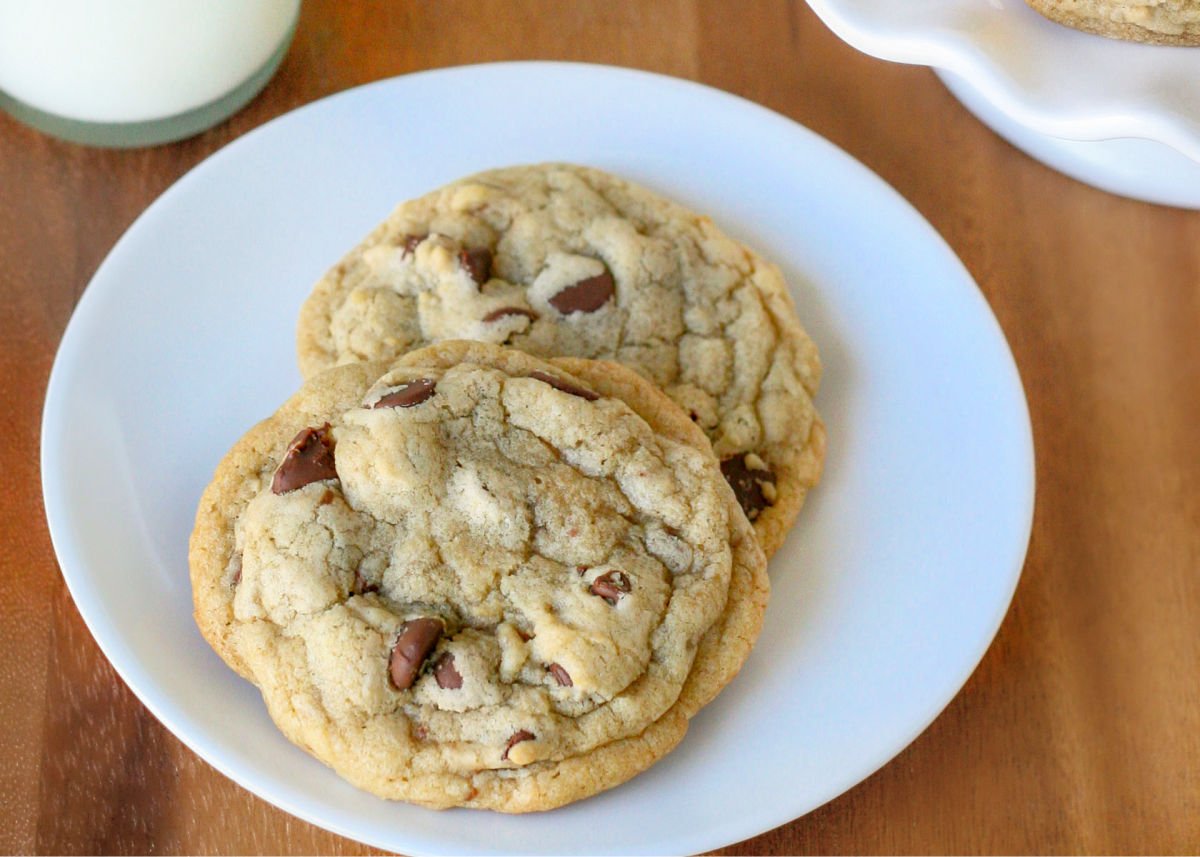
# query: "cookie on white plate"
561, 260
476, 578
1160, 22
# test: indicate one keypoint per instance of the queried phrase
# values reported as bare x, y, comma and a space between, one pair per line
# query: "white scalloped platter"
1028, 77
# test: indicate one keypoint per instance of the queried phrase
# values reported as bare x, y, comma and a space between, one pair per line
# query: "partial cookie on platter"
471, 577
1161, 22
561, 260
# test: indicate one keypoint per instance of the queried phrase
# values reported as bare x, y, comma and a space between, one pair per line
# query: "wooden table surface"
1080, 731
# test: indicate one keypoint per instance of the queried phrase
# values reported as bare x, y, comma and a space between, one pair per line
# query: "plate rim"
72, 564
1120, 166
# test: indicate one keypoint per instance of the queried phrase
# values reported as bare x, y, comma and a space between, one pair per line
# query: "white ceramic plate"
1039, 83
885, 596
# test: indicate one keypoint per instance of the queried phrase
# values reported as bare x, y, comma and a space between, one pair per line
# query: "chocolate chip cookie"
471, 577
561, 260
1160, 22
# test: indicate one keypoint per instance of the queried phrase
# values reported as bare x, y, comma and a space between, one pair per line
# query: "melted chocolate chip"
444, 673
747, 484
412, 393
308, 458
417, 639
564, 385
560, 675
587, 295
477, 262
506, 311
410, 242
610, 586
517, 737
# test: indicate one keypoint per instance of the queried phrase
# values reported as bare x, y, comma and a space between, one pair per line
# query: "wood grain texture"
1080, 731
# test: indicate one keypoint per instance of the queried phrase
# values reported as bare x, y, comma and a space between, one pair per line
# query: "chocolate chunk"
417, 639
412, 393
410, 242
517, 737
560, 675
444, 673
564, 385
478, 263
506, 311
610, 586
308, 458
747, 484
585, 296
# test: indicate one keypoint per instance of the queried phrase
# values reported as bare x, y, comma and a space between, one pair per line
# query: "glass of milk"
137, 72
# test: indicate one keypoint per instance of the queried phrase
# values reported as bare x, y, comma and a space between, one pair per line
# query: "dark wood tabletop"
1080, 730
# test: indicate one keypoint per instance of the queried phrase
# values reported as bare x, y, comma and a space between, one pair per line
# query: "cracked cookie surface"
1162, 22
562, 260
472, 577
